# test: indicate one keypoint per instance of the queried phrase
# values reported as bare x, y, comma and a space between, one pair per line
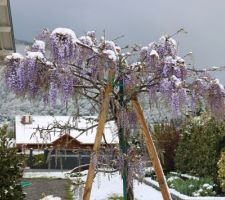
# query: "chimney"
26, 119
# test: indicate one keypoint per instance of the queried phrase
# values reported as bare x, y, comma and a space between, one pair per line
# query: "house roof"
25, 133
65, 137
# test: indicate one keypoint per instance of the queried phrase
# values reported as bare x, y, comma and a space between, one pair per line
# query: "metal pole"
123, 145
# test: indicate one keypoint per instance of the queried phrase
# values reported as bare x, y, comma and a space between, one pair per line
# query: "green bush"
10, 169
115, 197
166, 137
38, 160
198, 150
221, 171
76, 174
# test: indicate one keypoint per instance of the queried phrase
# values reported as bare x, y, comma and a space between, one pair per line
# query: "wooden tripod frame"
147, 137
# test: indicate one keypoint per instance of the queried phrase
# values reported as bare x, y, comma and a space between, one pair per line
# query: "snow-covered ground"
45, 174
104, 186
51, 197
107, 185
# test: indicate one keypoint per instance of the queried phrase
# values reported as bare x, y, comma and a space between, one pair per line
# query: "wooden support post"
152, 150
99, 134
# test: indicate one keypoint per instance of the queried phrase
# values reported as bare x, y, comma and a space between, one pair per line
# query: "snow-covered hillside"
10, 106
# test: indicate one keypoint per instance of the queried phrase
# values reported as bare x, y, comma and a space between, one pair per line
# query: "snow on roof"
25, 132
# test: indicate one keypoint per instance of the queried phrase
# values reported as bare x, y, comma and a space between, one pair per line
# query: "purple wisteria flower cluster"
168, 80
60, 64
57, 62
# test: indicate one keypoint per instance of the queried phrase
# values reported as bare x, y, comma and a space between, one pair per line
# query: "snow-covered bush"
10, 169
192, 187
205, 190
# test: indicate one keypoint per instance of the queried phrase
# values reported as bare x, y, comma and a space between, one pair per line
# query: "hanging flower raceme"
136, 164
215, 98
39, 46
198, 88
167, 46
63, 42
92, 35
86, 40
165, 72
150, 57
33, 65
67, 85
15, 73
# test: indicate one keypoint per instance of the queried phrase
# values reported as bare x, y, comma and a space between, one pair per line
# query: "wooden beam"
99, 134
5, 52
152, 150
3, 2
5, 29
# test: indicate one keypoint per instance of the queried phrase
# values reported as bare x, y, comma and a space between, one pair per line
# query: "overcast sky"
141, 21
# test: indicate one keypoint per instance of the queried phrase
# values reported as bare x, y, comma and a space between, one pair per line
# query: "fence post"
46, 151
30, 158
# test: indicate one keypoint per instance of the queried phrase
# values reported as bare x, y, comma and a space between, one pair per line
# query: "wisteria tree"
60, 65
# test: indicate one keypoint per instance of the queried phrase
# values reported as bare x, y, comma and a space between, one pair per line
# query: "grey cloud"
140, 21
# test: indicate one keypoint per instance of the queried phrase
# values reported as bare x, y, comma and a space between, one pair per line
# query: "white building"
31, 132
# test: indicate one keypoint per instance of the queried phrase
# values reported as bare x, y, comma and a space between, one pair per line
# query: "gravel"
43, 187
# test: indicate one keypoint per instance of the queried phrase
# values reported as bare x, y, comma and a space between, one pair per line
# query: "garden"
183, 150
192, 155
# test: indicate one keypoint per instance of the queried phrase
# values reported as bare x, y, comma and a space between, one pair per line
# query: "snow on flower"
39, 45
110, 54
172, 41
63, 44
34, 55
176, 81
86, 40
65, 31
179, 59
110, 45
217, 82
91, 34
48, 63
154, 53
